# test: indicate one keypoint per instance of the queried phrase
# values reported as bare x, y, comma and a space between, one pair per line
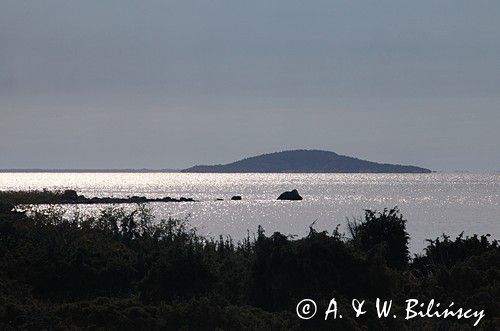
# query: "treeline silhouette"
127, 271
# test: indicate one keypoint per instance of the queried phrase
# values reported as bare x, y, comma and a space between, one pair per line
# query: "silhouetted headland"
72, 197
306, 161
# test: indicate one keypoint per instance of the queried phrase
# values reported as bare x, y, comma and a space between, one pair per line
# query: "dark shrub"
384, 231
120, 270
448, 252
284, 271
180, 271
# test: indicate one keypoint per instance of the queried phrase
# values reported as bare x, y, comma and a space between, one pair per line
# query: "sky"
170, 84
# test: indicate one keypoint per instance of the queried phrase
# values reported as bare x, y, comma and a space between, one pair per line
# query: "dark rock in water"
219, 199
70, 195
290, 195
236, 197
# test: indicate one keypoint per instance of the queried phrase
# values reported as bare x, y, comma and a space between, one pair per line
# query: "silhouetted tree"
384, 231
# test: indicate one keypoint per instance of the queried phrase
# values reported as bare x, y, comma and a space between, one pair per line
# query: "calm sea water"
432, 203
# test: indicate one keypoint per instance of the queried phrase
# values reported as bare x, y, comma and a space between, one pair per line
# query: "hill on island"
306, 161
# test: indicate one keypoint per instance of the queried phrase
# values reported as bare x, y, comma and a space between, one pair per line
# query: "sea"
433, 204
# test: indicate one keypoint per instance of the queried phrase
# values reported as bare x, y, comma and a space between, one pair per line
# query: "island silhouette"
305, 161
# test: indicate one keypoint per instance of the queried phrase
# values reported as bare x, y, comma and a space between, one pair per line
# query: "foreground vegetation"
127, 271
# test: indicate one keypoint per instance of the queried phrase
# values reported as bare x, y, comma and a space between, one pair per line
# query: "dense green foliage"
122, 270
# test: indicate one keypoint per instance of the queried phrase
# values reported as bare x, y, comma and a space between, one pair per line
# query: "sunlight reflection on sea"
432, 203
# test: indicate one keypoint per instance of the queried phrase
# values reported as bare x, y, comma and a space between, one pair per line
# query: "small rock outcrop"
70, 195
290, 195
236, 197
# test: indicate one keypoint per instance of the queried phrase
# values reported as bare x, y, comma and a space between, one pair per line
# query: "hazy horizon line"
174, 170
90, 170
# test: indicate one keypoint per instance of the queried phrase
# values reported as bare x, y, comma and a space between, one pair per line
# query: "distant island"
306, 161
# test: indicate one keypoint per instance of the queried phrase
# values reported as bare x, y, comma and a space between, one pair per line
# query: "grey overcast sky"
158, 84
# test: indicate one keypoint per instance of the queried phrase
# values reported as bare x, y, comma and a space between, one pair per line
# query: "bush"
385, 231
448, 252
122, 270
